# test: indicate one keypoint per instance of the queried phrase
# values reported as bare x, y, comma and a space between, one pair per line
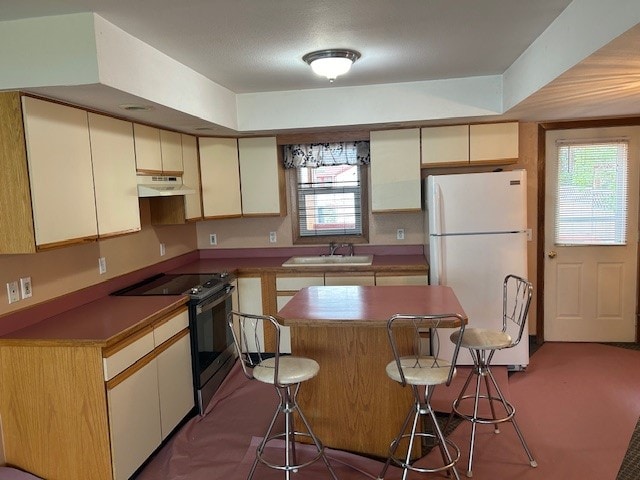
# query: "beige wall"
64, 270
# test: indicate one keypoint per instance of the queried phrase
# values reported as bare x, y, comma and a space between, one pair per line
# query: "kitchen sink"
328, 260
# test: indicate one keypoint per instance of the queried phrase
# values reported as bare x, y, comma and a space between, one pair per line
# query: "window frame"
298, 239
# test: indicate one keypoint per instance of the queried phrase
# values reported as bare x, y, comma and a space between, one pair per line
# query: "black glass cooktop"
175, 284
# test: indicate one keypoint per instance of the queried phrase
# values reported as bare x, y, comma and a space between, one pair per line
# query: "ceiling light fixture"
331, 63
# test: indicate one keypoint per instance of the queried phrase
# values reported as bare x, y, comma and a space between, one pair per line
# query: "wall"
64, 270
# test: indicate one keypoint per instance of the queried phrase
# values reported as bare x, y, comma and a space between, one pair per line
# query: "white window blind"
329, 200
591, 207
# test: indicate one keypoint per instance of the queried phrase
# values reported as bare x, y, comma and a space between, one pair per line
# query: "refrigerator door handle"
437, 210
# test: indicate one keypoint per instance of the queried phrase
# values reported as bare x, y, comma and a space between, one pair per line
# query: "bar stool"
482, 345
415, 344
285, 373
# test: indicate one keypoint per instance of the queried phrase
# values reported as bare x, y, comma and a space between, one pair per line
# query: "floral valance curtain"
323, 154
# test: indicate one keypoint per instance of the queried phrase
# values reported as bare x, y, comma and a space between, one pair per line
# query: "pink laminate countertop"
101, 322
368, 303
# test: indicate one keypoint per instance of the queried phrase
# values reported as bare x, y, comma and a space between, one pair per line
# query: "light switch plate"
213, 239
102, 265
12, 292
163, 250
25, 287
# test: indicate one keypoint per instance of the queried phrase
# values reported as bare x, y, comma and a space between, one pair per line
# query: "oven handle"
209, 304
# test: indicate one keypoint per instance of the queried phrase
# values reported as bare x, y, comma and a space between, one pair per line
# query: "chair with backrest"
416, 362
482, 344
286, 373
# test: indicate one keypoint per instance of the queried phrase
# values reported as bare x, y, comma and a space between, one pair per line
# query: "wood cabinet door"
262, 184
134, 420
114, 172
493, 142
60, 173
191, 177
448, 145
171, 150
148, 151
395, 170
175, 383
220, 175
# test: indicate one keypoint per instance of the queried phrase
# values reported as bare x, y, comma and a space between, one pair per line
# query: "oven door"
211, 338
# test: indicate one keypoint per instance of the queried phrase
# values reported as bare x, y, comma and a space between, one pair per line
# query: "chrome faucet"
335, 246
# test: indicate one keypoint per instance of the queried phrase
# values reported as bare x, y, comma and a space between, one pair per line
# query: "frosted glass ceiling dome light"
331, 63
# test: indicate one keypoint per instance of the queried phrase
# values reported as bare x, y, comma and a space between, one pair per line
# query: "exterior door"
591, 234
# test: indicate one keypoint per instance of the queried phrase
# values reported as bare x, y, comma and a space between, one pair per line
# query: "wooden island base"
352, 404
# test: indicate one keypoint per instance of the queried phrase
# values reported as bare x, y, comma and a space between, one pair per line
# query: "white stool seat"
482, 339
421, 371
291, 370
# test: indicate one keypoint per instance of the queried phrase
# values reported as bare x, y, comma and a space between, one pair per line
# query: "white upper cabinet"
191, 178
158, 152
60, 173
445, 145
261, 177
114, 173
220, 175
148, 151
462, 145
395, 170
171, 150
493, 142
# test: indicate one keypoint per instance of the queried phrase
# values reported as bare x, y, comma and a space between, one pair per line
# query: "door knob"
552, 254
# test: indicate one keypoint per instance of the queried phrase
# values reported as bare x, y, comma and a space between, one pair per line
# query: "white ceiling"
251, 46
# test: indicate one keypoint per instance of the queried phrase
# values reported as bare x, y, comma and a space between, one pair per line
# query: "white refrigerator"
477, 234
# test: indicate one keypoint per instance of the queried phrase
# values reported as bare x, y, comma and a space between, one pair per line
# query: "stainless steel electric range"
212, 350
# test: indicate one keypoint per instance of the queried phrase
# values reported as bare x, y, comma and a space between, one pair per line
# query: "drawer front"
296, 283
164, 330
127, 356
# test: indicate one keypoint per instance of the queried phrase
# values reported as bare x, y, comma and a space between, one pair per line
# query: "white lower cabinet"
175, 385
346, 279
407, 279
134, 420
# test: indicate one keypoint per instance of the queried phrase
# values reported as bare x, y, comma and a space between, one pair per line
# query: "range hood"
158, 186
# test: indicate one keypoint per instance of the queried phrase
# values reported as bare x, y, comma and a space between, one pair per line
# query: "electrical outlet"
25, 287
400, 234
102, 265
163, 250
213, 239
273, 237
12, 292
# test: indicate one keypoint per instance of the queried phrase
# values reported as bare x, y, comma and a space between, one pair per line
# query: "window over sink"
328, 191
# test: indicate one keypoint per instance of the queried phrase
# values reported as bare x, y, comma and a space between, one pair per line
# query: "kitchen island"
351, 404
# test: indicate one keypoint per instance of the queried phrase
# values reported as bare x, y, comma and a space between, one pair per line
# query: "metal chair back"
248, 337
516, 299
416, 337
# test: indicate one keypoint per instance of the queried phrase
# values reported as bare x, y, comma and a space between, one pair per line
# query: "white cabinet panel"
175, 384
191, 177
171, 151
395, 170
114, 175
349, 279
220, 175
134, 420
148, 151
127, 356
165, 330
493, 142
418, 279
260, 176
448, 145
60, 173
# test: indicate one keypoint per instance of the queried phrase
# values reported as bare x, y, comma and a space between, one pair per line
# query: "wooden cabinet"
191, 178
158, 152
261, 177
60, 173
114, 175
220, 175
395, 170
463, 145
76, 410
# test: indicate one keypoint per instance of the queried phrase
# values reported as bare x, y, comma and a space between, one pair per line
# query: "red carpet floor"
577, 405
